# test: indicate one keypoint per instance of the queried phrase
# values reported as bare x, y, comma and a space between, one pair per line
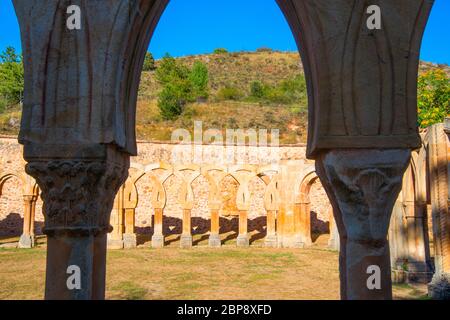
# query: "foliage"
11, 78
171, 102
264, 49
288, 91
229, 93
433, 97
257, 90
149, 62
180, 85
220, 51
199, 79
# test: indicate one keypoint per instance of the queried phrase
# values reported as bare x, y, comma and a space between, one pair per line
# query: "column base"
402, 276
114, 243
301, 242
186, 241
214, 241
129, 241
439, 287
271, 242
26, 241
158, 241
243, 241
334, 244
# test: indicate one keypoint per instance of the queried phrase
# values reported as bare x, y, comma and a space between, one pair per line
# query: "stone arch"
361, 87
13, 217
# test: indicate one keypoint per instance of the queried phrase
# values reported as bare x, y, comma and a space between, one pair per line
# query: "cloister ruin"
78, 133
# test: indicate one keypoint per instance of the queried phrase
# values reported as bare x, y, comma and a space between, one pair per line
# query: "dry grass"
223, 115
199, 273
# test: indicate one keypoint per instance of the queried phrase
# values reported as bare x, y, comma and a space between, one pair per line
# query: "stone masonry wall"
11, 204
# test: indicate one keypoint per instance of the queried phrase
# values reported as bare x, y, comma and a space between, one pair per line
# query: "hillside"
237, 70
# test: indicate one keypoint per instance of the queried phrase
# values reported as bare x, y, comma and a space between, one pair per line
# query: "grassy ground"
199, 273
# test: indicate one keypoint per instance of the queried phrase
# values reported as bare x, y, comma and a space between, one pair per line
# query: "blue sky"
200, 26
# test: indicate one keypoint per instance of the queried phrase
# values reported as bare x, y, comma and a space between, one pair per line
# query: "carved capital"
363, 186
78, 193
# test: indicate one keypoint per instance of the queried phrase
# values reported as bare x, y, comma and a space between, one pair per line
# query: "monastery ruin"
78, 134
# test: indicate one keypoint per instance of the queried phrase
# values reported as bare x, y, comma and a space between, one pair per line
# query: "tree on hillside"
199, 78
177, 87
220, 51
433, 97
11, 77
149, 62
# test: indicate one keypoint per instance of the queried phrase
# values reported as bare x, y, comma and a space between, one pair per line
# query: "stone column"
243, 175
362, 186
187, 174
243, 238
129, 237
130, 203
303, 222
439, 168
33, 217
271, 237
158, 236
289, 227
27, 238
214, 236
78, 193
214, 177
115, 238
186, 236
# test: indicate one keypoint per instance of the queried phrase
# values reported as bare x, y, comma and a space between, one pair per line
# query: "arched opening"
113, 123
11, 206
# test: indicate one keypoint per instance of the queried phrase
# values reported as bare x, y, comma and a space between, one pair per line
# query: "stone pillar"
333, 242
363, 186
214, 236
271, 237
27, 238
439, 168
272, 205
398, 242
214, 177
243, 239
303, 223
115, 238
78, 194
289, 220
130, 203
186, 236
243, 175
129, 237
158, 236
187, 174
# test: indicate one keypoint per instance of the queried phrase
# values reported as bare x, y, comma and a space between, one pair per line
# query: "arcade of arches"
78, 132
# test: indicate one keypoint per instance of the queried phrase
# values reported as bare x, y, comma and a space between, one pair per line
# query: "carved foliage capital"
78, 194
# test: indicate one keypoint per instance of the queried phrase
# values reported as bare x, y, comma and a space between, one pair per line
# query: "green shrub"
149, 62
11, 77
229, 93
199, 78
433, 97
220, 51
257, 90
171, 102
264, 49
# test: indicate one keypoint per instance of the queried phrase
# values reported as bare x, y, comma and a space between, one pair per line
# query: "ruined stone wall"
11, 204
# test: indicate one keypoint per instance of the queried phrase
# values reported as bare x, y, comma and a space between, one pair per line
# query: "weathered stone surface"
362, 83
78, 193
80, 95
363, 186
439, 167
